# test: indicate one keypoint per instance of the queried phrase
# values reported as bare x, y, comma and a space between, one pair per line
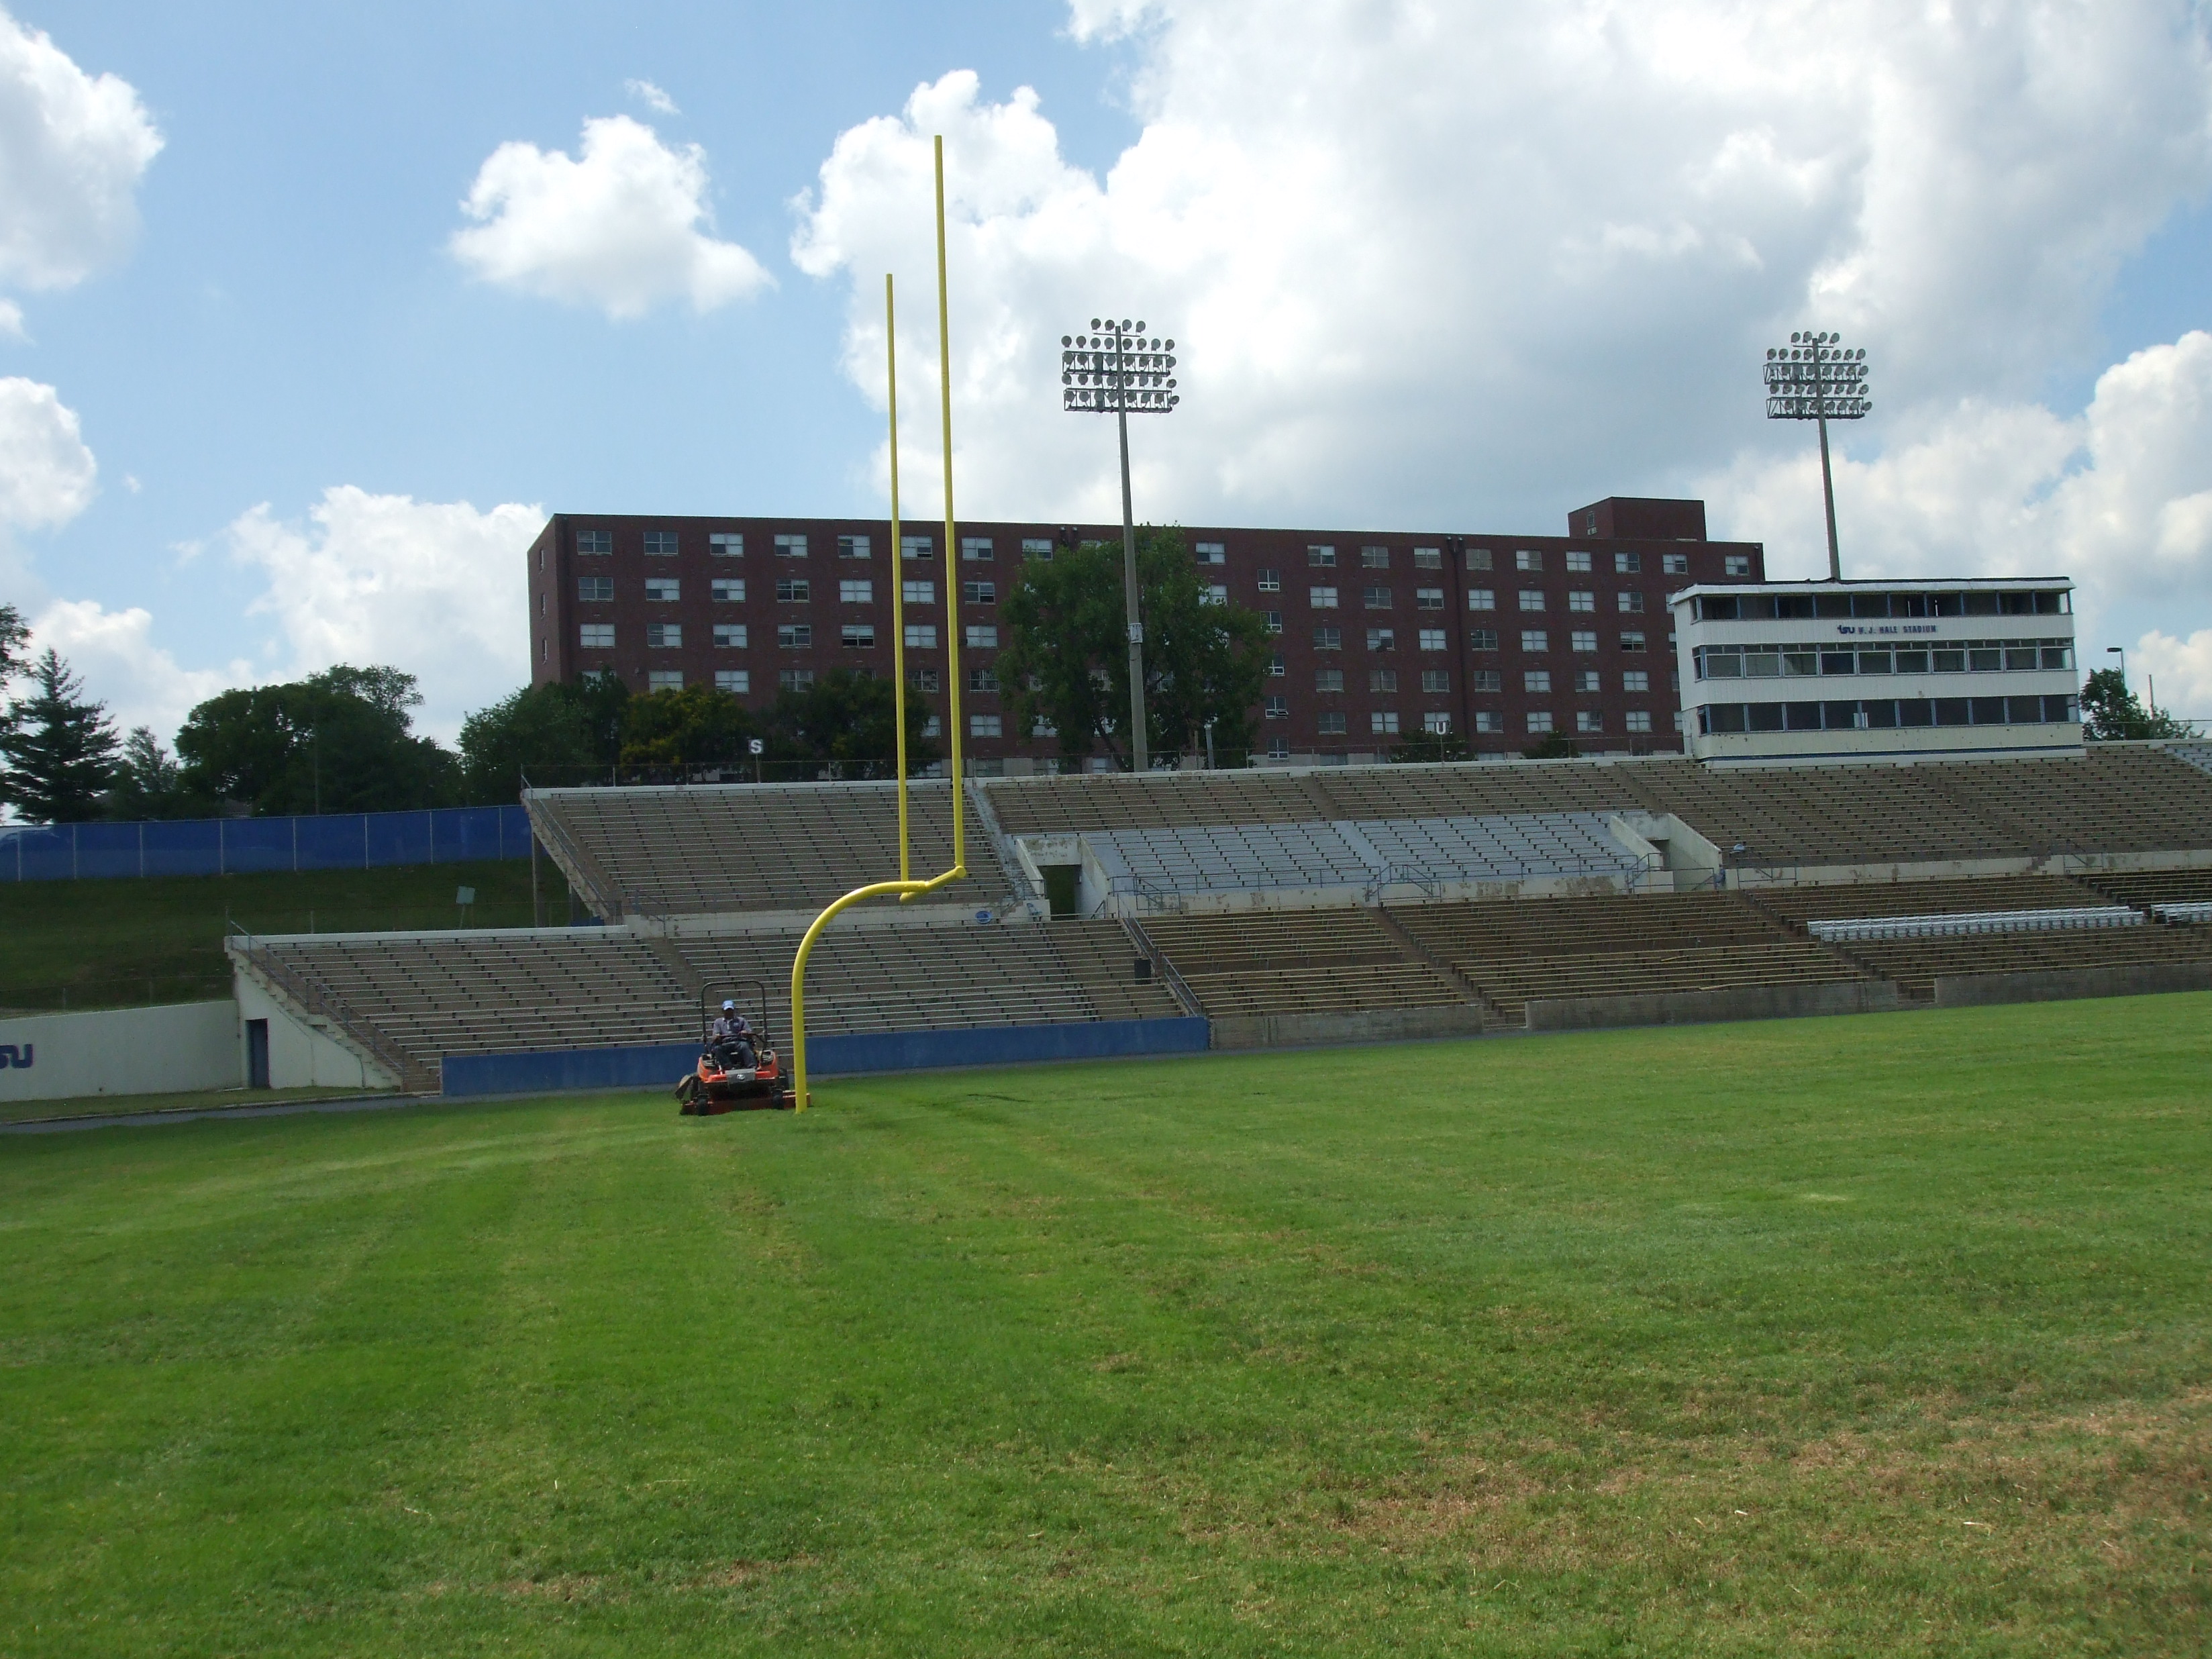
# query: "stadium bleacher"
1340, 960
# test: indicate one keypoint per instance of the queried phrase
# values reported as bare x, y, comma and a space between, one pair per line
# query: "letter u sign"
18, 1058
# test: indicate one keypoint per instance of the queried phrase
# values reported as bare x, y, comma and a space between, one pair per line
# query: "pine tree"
59, 748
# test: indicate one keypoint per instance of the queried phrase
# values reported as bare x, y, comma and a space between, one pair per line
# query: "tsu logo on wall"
18, 1058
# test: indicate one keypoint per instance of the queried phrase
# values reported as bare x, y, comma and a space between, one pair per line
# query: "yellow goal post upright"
905, 886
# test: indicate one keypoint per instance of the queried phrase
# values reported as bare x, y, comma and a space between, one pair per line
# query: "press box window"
663, 636
976, 549
922, 636
663, 590
595, 590
730, 636
596, 636
793, 593
1213, 553
857, 636
738, 682
727, 590
660, 544
725, 544
795, 636
595, 541
856, 592
791, 547
665, 679
851, 547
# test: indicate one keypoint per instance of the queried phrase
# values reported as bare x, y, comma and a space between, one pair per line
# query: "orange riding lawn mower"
741, 1076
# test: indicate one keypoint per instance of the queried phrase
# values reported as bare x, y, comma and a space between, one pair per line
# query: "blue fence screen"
220, 847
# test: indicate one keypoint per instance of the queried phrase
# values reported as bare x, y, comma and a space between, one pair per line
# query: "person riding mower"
737, 1070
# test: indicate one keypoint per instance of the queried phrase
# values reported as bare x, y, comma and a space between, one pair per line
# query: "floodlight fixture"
1114, 369
1817, 378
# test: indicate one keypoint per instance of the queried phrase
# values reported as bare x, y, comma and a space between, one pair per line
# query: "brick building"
1375, 634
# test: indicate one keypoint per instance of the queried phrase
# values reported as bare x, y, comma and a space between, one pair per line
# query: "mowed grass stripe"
1707, 1340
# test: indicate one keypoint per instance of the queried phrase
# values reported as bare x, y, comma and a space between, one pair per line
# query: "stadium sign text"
1902, 628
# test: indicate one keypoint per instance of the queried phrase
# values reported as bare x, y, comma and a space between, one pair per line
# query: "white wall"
301, 1057
123, 1051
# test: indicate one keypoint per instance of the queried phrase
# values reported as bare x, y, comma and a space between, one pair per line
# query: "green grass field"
1871, 1335
116, 943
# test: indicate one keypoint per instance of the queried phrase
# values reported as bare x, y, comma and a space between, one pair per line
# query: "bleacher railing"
1962, 924
309, 997
221, 847
1156, 896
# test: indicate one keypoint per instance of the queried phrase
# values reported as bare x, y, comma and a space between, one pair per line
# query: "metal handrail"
311, 1000
549, 831
1178, 987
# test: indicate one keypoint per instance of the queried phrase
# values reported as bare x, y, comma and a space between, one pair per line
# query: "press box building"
1374, 635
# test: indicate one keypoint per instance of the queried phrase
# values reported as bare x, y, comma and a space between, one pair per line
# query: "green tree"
59, 748
1430, 746
698, 726
149, 783
339, 741
847, 721
1556, 745
2111, 713
545, 733
1066, 659
13, 637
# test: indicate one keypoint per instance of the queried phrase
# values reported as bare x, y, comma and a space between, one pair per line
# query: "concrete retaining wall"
121, 1051
302, 1055
1376, 1025
1697, 1008
2063, 984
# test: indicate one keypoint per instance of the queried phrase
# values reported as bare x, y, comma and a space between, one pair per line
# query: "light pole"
1113, 370
1815, 378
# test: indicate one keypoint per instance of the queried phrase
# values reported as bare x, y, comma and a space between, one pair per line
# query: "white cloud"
623, 227
11, 320
436, 588
1484, 264
72, 149
2179, 670
652, 97
46, 473
140, 682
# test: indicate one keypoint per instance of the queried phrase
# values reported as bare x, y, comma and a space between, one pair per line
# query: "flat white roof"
1903, 583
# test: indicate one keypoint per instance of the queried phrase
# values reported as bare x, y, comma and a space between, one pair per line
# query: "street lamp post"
1815, 378
1113, 370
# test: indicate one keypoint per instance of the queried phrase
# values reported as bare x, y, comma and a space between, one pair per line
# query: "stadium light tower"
1113, 370
1815, 378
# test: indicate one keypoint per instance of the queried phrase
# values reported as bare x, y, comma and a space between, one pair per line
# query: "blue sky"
1466, 269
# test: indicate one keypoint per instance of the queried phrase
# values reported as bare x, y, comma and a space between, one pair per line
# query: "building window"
976, 549
1532, 598
664, 679
1036, 547
1321, 599
1631, 600
1539, 721
851, 547
1482, 638
1376, 599
1273, 620
1489, 719
1529, 559
1435, 723
856, 592
1041, 727
596, 636
1636, 679
1383, 722
1630, 564
1588, 720
1375, 558
1535, 639
791, 547
1536, 679
1486, 679
1477, 558
983, 679
663, 590
725, 544
663, 636
1638, 721
984, 726
1678, 720
1432, 639
932, 726
1278, 709
1737, 564
1382, 639
922, 636
1576, 561
1321, 558
727, 590
1278, 748
795, 636
1328, 638
1632, 640
1583, 640
857, 636
1482, 599
1586, 680
595, 590
1215, 594
923, 679
1271, 581
1382, 679
1428, 599
1582, 601
1275, 668
1330, 724
659, 543
738, 682
1213, 553
917, 547
1329, 679
1428, 558
730, 636
919, 592
793, 593
982, 636
1671, 564
793, 679
595, 541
